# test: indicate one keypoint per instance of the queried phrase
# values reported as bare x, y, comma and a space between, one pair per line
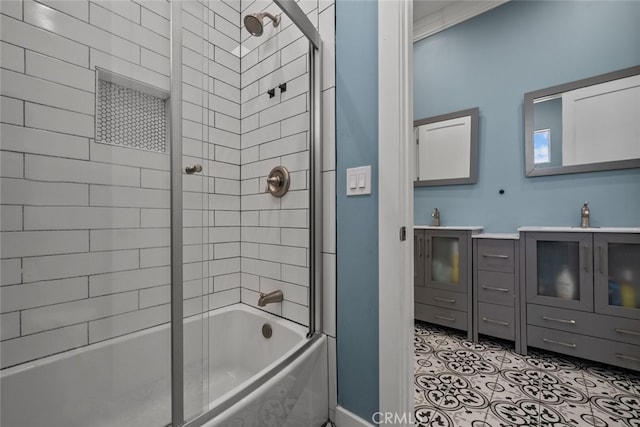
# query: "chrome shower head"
253, 22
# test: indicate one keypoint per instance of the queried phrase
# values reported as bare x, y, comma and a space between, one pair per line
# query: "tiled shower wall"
275, 246
85, 225
275, 131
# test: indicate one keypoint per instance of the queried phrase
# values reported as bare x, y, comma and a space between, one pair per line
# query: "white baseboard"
345, 418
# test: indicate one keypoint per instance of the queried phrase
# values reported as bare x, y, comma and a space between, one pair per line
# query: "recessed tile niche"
130, 113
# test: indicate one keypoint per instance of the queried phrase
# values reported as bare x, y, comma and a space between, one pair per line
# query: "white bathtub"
126, 381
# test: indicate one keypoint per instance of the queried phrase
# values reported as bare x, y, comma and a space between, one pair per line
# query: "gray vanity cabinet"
559, 269
495, 287
442, 277
583, 295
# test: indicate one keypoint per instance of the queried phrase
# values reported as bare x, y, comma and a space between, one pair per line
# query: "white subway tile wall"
85, 226
273, 247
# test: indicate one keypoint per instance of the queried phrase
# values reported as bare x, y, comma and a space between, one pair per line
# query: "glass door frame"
177, 332
585, 261
601, 273
463, 268
300, 19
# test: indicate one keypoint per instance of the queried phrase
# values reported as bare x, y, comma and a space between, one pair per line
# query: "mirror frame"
529, 97
474, 113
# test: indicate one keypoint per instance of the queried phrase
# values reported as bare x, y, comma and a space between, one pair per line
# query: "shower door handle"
190, 170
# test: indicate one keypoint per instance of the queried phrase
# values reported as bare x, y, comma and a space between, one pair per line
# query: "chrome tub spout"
271, 297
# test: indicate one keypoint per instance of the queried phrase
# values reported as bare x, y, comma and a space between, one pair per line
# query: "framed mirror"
583, 126
447, 149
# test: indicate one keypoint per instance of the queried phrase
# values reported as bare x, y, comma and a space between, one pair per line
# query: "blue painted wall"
490, 62
357, 217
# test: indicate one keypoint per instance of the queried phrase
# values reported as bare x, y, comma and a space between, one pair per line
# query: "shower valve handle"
278, 181
274, 181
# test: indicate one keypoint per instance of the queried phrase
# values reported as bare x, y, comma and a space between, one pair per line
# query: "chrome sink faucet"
270, 298
585, 214
436, 217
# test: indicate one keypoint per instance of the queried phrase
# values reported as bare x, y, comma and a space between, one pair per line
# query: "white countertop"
584, 230
448, 227
504, 236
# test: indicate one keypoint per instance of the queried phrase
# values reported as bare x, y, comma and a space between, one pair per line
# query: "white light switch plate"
359, 181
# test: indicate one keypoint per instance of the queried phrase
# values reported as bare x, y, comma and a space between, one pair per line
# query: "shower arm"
274, 19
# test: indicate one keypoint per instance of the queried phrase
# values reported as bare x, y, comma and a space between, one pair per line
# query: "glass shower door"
194, 169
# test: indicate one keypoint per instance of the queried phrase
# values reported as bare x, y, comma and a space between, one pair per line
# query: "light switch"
359, 181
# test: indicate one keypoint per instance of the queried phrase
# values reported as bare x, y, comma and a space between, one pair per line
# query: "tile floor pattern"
464, 384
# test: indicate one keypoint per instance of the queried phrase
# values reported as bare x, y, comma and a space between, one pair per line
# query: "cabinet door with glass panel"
446, 260
559, 270
617, 274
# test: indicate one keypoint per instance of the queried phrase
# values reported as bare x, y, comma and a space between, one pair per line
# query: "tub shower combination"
236, 365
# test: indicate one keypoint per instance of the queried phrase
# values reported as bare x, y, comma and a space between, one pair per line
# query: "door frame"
395, 207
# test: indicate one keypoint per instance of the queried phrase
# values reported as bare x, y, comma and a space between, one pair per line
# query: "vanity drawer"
495, 287
496, 321
496, 255
440, 298
601, 350
580, 322
441, 316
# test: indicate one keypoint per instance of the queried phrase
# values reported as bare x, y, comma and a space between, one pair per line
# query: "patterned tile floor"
460, 383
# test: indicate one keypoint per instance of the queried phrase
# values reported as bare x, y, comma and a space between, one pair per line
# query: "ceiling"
431, 16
